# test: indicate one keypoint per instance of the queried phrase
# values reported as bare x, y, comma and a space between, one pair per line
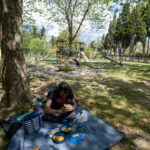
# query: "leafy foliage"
132, 26
39, 46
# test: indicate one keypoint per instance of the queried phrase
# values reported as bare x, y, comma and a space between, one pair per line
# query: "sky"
87, 36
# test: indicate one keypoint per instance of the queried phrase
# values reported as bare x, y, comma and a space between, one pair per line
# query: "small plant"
65, 65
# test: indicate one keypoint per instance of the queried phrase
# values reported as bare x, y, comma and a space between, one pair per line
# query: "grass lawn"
120, 96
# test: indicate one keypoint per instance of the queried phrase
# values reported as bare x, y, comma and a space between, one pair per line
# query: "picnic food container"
75, 137
65, 129
33, 121
59, 138
82, 129
66, 121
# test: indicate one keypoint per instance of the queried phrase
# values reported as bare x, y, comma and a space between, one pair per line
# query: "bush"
139, 54
39, 46
65, 68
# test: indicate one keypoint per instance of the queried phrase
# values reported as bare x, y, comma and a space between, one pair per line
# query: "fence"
127, 58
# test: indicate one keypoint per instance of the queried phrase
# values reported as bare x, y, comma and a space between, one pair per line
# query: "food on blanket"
75, 135
81, 128
67, 129
58, 138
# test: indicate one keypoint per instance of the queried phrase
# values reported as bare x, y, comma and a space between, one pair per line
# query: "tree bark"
135, 49
15, 85
70, 39
132, 47
1, 8
148, 46
144, 44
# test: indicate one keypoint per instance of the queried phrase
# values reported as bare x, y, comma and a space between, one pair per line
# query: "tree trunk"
70, 41
132, 47
1, 21
115, 50
119, 49
134, 53
16, 89
148, 46
70, 37
144, 44
123, 54
110, 52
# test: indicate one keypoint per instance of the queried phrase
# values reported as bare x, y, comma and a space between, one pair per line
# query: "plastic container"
65, 121
33, 122
82, 129
75, 137
59, 138
65, 129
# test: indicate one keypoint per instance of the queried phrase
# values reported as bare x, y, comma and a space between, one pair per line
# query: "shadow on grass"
132, 99
115, 101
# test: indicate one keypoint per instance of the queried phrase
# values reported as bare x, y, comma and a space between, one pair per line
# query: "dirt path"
50, 70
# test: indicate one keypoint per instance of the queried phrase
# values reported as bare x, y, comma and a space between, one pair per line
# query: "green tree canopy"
39, 46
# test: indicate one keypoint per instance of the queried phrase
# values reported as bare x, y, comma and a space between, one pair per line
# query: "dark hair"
64, 86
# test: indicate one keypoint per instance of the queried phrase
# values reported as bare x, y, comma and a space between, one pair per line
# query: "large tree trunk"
16, 89
1, 8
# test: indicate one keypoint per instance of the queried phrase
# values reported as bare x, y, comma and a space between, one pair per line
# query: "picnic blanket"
100, 136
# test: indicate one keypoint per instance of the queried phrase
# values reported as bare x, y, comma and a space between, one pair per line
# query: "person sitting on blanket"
60, 103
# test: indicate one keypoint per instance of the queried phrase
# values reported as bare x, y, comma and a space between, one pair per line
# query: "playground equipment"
61, 43
65, 53
84, 56
81, 45
112, 61
81, 50
55, 50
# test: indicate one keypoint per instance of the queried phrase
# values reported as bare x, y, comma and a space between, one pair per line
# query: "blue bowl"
75, 137
82, 129
63, 129
59, 134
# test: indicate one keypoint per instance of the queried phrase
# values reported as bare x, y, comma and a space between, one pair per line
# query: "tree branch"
89, 5
58, 3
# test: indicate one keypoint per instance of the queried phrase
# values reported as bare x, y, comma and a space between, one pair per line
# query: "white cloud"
52, 32
89, 36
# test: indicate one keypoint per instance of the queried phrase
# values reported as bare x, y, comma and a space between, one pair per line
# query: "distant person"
60, 103
77, 63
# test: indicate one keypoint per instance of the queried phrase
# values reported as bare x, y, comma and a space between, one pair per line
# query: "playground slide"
83, 54
55, 50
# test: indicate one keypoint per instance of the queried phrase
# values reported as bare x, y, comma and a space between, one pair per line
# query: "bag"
82, 116
33, 122
10, 127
